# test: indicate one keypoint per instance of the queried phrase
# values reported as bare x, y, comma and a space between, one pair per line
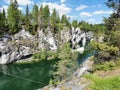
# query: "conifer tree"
40, 16
27, 19
46, 15
54, 18
65, 20
35, 14
74, 23
13, 17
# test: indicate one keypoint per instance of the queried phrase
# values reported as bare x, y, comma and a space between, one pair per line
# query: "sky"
91, 11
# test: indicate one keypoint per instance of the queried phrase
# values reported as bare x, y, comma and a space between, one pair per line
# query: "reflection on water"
30, 76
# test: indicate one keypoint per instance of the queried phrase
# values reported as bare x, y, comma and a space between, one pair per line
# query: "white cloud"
81, 7
20, 8
5, 8
73, 17
62, 1
61, 8
0, 9
22, 2
93, 21
102, 12
85, 14
97, 6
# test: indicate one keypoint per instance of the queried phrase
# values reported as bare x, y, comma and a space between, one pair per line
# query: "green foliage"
45, 55
40, 16
74, 23
115, 5
55, 21
50, 82
46, 15
85, 26
13, 17
98, 29
66, 65
27, 19
3, 22
65, 20
114, 38
35, 14
105, 66
104, 52
54, 18
100, 83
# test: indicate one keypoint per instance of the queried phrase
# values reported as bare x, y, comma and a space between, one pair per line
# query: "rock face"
46, 41
10, 52
22, 45
19, 47
79, 39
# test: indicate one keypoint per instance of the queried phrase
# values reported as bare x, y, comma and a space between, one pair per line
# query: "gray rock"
23, 44
10, 53
46, 41
79, 39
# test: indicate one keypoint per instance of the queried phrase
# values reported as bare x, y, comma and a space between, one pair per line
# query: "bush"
105, 66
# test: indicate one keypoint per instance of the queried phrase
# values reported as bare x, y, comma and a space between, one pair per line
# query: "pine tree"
115, 5
54, 18
13, 17
74, 23
27, 19
40, 17
46, 15
35, 14
65, 20
2, 19
1, 23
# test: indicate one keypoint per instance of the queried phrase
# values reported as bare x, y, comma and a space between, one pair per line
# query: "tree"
2, 19
46, 15
74, 23
115, 4
110, 49
113, 24
64, 20
35, 14
66, 64
40, 17
13, 17
53, 18
27, 19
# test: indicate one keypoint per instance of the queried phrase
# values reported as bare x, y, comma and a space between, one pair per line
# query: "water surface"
28, 76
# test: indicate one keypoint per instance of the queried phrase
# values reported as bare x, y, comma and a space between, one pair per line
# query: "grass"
104, 83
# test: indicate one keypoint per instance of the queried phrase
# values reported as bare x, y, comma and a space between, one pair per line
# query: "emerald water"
28, 76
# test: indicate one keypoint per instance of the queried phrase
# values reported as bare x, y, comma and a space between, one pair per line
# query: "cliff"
22, 45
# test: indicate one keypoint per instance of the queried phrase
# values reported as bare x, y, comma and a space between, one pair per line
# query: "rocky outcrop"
10, 52
79, 39
22, 45
46, 41
65, 35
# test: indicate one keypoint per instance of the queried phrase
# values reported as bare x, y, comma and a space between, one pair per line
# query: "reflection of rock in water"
85, 66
